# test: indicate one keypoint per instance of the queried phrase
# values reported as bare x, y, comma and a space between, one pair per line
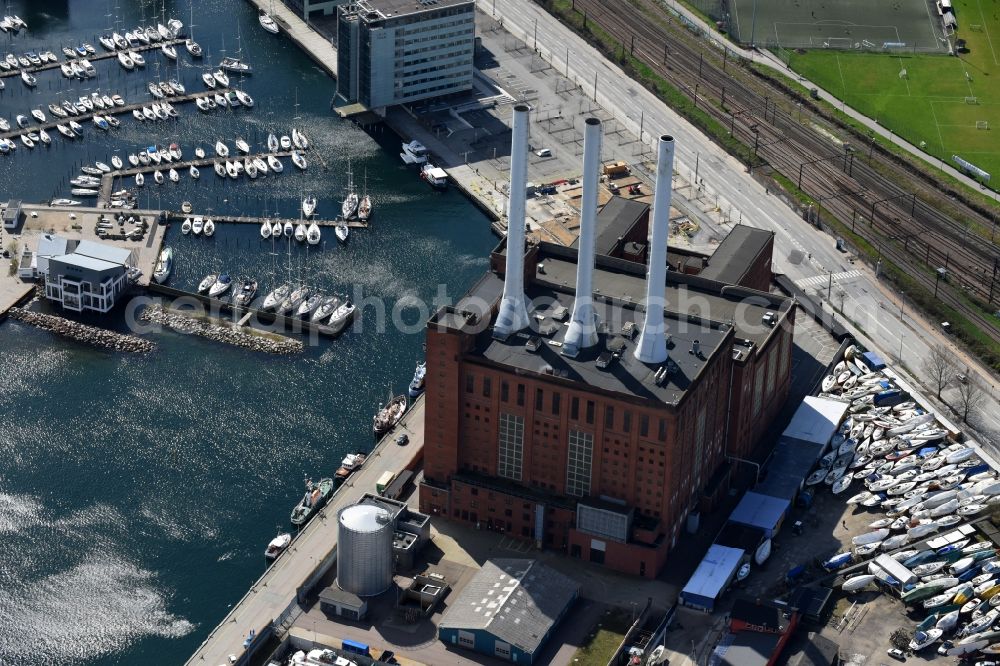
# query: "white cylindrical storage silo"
364, 550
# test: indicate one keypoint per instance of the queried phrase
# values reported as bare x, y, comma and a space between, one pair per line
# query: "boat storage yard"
872, 505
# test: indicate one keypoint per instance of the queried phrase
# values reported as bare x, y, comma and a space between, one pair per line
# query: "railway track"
843, 180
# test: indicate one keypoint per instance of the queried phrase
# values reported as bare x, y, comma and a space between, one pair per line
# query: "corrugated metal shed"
711, 577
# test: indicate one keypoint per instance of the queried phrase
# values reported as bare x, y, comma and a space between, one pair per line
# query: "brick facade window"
486, 387
511, 446
556, 399
579, 463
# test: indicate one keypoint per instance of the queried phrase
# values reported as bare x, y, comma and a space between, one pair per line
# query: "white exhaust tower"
652, 345
513, 315
582, 332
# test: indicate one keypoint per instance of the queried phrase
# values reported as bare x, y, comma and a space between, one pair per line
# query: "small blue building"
509, 609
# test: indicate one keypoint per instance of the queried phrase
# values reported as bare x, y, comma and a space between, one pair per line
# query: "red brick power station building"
596, 425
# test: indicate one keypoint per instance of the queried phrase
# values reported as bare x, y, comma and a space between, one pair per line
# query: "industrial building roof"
614, 220
735, 254
516, 600
748, 648
714, 572
815, 421
757, 510
813, 650
83, 261
393, 8
115, 255
762, 614
50, 245
790, 464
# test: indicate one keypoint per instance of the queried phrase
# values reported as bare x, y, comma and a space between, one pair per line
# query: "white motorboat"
268, 23
265, 230
158, 177
250, 167
209, 227
193, 48
242, 145
244, 98
285, 142
276, 229
221, 149
38, 115
164, 265
309, 206
298, 160
272, 143
277, 546
207, 282
140, 180
858, 583
197, 225
194, 172
44, 137
299, 140
186, 227
29, 80
436, 177
137, 58
288, 229
274, 164
415, 152
313, 234
169, 51
922, 639
125, 60
221, 78
300, 232
173, 175
209, 80
261, 165
199, 152
220, 169
231, 169
116, 162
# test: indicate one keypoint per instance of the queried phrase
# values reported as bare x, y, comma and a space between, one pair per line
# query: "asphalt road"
802, 252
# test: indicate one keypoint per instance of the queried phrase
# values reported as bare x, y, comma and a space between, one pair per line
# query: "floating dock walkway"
51, 123
93, 57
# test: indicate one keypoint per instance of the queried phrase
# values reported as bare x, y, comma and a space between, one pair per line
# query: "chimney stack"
652, 345
582, 331
513, 314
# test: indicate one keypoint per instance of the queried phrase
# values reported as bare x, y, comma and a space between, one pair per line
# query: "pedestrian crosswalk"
822, 280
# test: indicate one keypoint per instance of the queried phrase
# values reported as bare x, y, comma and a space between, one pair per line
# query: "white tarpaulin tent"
711, 577
815, 421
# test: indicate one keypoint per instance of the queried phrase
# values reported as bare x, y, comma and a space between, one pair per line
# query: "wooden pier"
94, 57
50, 123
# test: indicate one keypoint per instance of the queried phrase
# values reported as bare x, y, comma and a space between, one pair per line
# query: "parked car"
896, 653
403, 439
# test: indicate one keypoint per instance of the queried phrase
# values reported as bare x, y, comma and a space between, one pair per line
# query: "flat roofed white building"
91, 276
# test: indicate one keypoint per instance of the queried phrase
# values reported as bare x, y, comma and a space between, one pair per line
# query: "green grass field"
928, 106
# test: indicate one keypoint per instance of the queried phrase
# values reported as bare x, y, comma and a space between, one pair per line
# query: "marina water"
137, 493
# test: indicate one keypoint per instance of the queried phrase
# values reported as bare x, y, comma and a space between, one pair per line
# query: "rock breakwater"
226, 333
73, 330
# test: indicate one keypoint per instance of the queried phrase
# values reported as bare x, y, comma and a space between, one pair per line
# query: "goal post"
982, 124
972, 100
